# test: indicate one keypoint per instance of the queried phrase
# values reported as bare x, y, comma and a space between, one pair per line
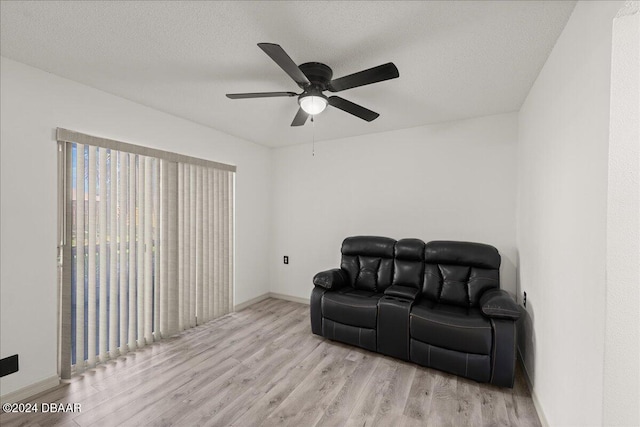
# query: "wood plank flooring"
263, 367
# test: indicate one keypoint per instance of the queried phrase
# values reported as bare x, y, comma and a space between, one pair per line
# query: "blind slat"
220, 257
113, 254
181, 246
140, 265
192, 246
66, 227
210, 240
123, 235
156, 249
163, 251
102, 250
225, 240
199, 245
147, 336
91, 255
205, 245
232, 238
172, 238
80, 258
132, 245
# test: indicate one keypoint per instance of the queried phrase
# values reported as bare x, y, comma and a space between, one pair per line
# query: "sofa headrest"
410, 250
462, 253
372, 246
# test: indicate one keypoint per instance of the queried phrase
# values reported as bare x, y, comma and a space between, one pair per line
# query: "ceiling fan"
315, 78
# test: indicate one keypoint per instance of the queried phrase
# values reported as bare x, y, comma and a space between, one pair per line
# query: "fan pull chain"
313, 138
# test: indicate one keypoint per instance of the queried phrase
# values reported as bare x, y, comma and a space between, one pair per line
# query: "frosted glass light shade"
313, 104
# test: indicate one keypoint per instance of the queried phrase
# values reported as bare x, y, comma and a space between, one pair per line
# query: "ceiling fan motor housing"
318, 74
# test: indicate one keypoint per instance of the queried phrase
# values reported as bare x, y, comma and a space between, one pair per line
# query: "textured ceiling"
456, 59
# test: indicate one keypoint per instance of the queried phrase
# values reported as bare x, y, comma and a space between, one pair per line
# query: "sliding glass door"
147, 247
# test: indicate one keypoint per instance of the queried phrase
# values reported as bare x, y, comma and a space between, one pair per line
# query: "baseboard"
242, 306
263, 297
31, 390
289, 298
534, 396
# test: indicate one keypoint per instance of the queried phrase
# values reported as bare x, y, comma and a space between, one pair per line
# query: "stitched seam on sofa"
350, 305
409, 333
500, 309
503, 310
462, 282
449, 324
466, 364
375, 283
495, 345
440, 282
513, 376
482, 278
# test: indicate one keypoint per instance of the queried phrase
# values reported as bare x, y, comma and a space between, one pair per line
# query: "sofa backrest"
458, 273
408, 264
368, 261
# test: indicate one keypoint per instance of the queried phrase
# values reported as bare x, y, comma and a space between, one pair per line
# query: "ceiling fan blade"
351, 108
300, 118
372, 75
285, 62
259, 95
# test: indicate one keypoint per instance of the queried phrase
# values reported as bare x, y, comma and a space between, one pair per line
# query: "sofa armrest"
331, 279
400, 291
499, 304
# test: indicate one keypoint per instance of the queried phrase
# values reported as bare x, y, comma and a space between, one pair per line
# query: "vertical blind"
147, 248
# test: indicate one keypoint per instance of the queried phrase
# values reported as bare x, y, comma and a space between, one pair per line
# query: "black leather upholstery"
474, 366
458, 273
408, 266
331, 279
368, 262
451, 327
498, 304
393, 327
362, 337
351, 308
437, 304
503, 363
462, 253
400, 291
315, 309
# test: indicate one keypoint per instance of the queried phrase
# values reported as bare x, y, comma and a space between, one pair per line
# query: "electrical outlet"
286, 259
9, 365
524, 299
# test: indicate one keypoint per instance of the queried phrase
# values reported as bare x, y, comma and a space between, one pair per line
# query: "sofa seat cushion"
352, 307
474, 366
451, 327
354, 335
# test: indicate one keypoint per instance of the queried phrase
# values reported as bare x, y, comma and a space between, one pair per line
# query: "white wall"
452, 181
622, 329
562, 204
34, 103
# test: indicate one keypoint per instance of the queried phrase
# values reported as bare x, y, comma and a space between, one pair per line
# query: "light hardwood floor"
262, 366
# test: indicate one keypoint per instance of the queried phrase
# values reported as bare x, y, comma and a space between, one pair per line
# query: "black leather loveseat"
437, 304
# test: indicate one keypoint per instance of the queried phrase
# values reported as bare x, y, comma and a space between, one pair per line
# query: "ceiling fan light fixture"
313, 104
